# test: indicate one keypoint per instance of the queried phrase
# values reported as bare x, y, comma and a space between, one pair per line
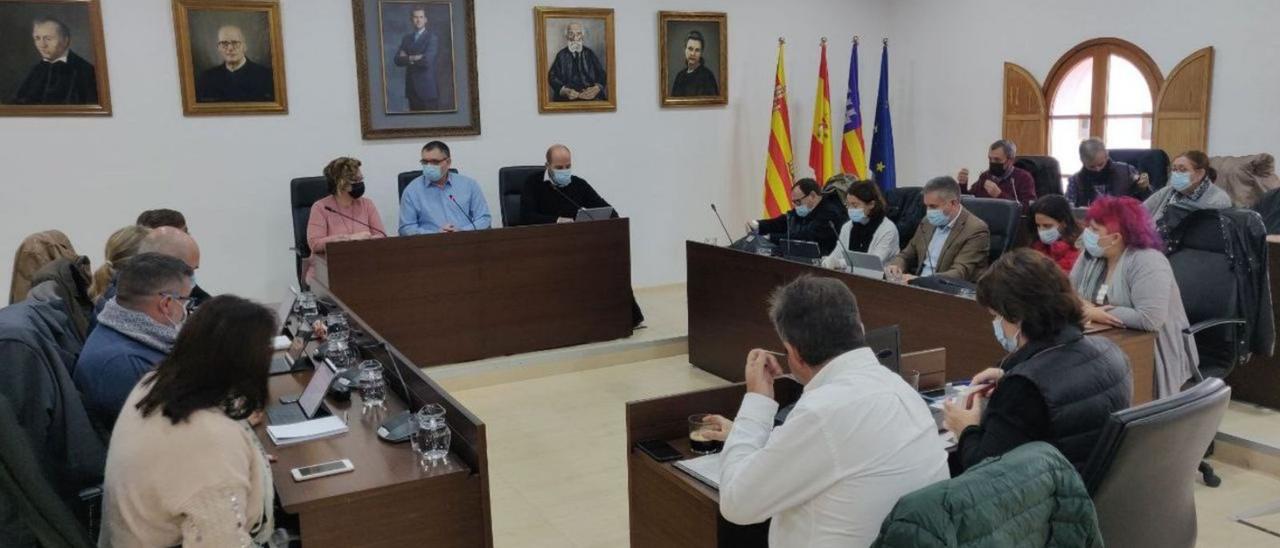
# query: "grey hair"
1091, 147
63, 29
817, 316
579, 23
147, 275
1010, 149
944, 185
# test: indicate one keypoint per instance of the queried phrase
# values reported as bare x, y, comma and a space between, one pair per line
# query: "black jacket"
71, 83
821, 225
251, 82
1059, 391
542, 203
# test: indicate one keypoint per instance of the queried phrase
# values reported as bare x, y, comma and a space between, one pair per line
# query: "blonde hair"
340, 173
122, 244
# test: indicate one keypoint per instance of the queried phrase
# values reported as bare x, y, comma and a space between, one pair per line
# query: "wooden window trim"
1100, 50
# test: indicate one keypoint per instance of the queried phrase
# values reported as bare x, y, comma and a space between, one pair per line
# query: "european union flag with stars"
882, 169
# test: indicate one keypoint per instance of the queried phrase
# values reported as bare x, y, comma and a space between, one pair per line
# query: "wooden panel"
1258, 381
1025, 115
1182, 108
932, 365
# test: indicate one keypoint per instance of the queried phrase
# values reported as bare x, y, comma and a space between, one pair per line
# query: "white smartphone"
304, 473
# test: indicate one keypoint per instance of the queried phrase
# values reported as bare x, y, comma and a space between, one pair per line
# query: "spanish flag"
777, 173
852, 156
820, 157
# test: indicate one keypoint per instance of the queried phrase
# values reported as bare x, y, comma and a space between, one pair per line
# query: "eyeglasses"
433, 162
187, 302
230, 44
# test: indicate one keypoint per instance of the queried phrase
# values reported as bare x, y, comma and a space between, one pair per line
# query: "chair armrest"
1201, 326
91, 510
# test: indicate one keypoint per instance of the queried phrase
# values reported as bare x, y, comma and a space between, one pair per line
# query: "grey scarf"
1091, 272
138, 326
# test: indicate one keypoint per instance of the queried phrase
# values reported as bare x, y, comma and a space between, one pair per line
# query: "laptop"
296, 358
804, 251
594, 214
310, 404
864, 264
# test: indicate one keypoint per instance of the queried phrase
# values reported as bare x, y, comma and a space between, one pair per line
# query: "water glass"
913, 378
336, 327
373, 386
431, 436
340, 353
307, 308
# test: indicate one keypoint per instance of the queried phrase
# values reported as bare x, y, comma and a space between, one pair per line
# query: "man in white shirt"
858, 439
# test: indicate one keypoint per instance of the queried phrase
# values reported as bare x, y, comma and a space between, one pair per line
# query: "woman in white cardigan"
868, 229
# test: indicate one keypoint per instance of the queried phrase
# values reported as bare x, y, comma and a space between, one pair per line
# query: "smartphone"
304, 473
659, 450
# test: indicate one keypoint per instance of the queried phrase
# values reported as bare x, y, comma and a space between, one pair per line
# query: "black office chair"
1269, 208
1140, 473
404, 178
510, 187
1002, 218
1152, 161
906, 210
1080, 213
304, 192
1045, 171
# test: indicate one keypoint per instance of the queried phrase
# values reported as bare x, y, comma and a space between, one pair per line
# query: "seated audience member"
136, 329
813, 218
1100, 176
184, 468
1124, 280
440, 201
867, 229
122, 244
1056, 230
156, 218
858, 439
345, 214
951, 242
169, 241
1002, 179
556, 194
1055, 384
1191, 183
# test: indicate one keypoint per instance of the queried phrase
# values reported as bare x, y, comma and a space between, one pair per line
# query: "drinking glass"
699, 424
431, 435
336, 327
307, 308
373, 386
339, 352
913, 378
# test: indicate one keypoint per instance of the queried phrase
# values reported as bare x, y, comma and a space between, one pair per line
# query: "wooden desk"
728, 292
388, 500
1259, 380
449, 298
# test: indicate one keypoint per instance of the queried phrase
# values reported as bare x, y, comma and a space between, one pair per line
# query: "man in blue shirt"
440, 201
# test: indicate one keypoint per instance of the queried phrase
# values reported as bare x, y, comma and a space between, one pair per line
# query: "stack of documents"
314, 429
705, 469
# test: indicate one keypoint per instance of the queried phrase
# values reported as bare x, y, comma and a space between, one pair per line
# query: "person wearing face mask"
441, 200
1054, 385
1124, 280
814, 217
1101, 176
136, 329
1191, 182
555, 194
867, 230
1056, 230
1001, 180
345, 214
951, 242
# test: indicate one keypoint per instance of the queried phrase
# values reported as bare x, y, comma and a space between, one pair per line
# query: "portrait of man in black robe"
577, 73
237, 79
60, 77
695, 79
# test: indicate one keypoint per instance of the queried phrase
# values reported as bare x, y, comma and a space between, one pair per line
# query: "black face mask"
996, 169
1098, 176
357, 190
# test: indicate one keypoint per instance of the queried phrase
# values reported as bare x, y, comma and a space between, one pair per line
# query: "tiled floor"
556, 459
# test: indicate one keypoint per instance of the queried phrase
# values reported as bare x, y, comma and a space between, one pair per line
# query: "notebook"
314, 429
705, 469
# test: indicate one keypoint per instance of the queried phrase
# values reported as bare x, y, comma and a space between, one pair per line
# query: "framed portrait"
53, 61
693, 48
575, 56
230, 57
416, 66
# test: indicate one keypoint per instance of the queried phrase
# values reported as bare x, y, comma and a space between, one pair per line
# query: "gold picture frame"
690, 88
204, 52
89, 93
597, 29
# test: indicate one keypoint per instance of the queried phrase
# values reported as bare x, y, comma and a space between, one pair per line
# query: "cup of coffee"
699, 426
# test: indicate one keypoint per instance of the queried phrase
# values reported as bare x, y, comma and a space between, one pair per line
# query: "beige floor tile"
1240, 490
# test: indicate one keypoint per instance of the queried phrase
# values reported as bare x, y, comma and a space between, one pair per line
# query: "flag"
882, 142
777, 173
820, 156
853, 156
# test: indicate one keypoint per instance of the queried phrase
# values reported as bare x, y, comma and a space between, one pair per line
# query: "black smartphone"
659, 450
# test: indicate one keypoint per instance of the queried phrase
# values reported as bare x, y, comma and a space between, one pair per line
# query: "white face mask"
1009, 344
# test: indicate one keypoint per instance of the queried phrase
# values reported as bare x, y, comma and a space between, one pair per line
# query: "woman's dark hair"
869, 192
1056, 207
1027, 287
1201, 161
220, 359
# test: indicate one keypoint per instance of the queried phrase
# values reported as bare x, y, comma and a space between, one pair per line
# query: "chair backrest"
1142, 472
1002, 218
906, 209
35, 514
304, 192
1045, 171
1209, 288
33, 253
406, 177
1269, 208
1152, 161
510, 187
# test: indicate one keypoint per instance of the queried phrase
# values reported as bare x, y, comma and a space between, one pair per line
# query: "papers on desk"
314, 429
705, 469
281, 342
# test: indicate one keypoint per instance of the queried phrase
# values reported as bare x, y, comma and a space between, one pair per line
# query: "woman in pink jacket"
345, 214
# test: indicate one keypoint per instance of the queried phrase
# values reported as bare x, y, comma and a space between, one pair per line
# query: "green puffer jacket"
1030, 496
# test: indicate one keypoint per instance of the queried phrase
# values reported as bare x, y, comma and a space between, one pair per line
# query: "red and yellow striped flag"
852, 157
777, 172
821, 158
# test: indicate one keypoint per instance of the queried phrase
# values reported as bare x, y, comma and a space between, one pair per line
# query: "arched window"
1106, 88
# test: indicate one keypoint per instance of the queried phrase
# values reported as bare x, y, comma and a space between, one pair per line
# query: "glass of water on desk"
373, 386
431, 435
307, 308
336, 327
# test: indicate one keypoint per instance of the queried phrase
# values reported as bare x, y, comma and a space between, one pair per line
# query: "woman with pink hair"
1124, 280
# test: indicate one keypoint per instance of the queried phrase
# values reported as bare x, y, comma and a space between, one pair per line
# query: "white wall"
947, 58
229, 175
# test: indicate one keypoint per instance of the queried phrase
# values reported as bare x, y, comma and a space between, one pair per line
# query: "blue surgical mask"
1009, 344
432, 173
1092, 243
561, 177
857, 215
803, 210
937, 217
1180, 180
1049, 235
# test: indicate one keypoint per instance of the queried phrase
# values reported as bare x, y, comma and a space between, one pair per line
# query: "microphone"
350, 218
837, 233
787, 253
725, 228
399, 427
464, 212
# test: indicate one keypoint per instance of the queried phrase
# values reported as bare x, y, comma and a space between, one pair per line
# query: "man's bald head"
173, 242
558, 154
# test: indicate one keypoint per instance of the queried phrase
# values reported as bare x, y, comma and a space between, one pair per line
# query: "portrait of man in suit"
417, 57
237, 78
60, 76
417, 54
577, 73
